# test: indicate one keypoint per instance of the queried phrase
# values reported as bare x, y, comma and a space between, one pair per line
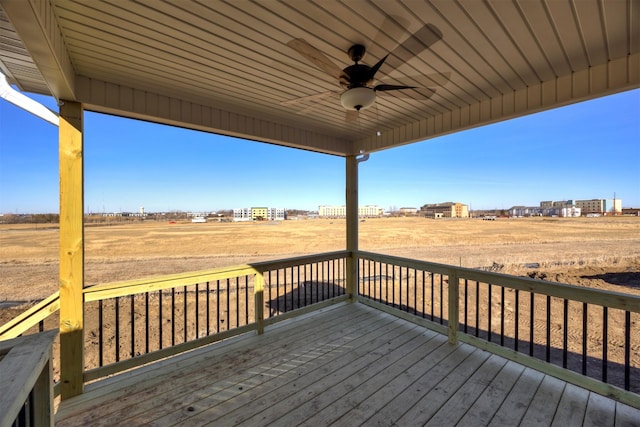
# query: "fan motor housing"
356, 75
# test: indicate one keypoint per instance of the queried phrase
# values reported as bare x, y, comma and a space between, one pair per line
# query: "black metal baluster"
246, 300
100, 334
197, 332
433, 309
584, 338
565, 333
218, 304
502, 316
627, 350
489, 312
393, 286
466, 305
477, 308
173, 317
605, 341
160, 324
270, 299
237, 280
531, 320
184, 303
117, 309
299, 286
228, 292
517, 320
424, 311
415, 291
146, 322
208, 302
133, 329
548, 349
278, 291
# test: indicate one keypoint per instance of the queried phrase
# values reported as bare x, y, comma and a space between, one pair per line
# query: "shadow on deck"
348, 364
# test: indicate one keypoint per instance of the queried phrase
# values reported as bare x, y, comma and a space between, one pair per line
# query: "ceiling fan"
358, 81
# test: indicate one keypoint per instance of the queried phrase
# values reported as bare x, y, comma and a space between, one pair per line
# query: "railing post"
71, 248
258, 292
352, 225
454, 306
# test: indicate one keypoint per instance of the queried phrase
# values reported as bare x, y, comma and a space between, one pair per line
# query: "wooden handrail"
31, 317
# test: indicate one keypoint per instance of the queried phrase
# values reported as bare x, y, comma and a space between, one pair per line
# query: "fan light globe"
358, 98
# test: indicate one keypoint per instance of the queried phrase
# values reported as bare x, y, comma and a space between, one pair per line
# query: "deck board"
344, 365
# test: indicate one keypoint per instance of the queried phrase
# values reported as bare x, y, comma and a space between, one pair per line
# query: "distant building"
562, 209
368, 211
409, 211
585, 207
445, 210
600, 206
259, 214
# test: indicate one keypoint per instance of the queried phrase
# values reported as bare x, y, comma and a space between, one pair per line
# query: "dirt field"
579, 251
594, 252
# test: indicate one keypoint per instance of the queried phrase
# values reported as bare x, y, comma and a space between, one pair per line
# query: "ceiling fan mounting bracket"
357, 52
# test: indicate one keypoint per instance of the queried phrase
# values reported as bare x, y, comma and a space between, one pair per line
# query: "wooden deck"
346, 365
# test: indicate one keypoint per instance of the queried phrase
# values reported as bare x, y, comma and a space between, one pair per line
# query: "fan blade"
391, 87
416, 43
373, 70
315, 56
351, 115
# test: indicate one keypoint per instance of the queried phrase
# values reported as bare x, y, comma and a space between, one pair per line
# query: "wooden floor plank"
600, 411
345, 365
339, 384
465, 397
626, 416
545, 402
424, 397
369, 393
572, 407
517, 402
485, 407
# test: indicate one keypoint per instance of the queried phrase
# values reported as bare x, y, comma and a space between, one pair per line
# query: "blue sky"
583, 151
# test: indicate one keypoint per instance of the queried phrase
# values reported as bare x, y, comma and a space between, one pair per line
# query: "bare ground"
601, 253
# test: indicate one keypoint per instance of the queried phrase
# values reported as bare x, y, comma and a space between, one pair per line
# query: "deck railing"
516, 316
130, 323
134, 322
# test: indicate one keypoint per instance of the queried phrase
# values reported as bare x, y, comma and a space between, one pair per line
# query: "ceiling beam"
37, 26
110, 98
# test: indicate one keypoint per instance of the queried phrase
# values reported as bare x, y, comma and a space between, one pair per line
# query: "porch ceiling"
226, 66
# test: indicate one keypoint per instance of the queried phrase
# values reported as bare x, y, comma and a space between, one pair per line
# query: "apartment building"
445, 210
367, 211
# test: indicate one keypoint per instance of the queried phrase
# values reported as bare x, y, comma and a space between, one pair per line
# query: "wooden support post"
352, 225
258, 292
454, 306
71, 248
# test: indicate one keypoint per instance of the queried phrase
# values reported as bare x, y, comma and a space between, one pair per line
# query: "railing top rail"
136, 286
304, 259
612, 299
24, 321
